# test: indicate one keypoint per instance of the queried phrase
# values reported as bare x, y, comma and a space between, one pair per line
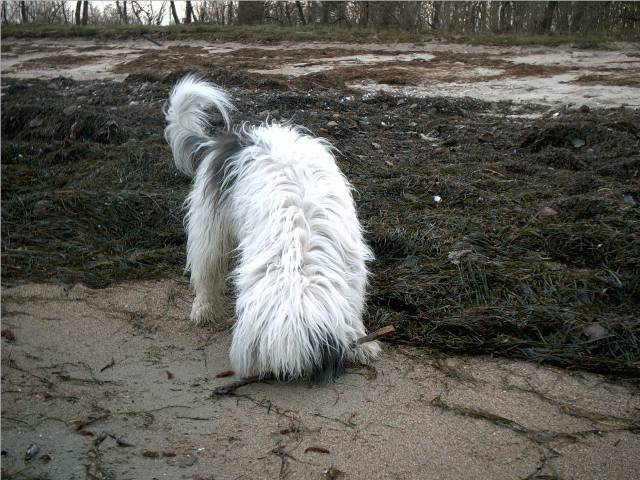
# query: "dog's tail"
187, 119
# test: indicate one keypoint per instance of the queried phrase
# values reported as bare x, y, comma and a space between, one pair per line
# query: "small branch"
374, 335
229, 388
348, 423
108, 365
81, 423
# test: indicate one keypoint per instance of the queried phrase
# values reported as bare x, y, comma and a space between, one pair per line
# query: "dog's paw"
206, 314
365, 353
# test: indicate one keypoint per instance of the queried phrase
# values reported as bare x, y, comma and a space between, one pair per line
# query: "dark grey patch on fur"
221, 153
332, 364
333, 359
225, 146
196, 145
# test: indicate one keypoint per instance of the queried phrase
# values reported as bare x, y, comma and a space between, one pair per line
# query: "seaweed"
532, 250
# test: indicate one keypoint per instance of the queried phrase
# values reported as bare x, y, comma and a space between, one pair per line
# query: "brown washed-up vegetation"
532, 250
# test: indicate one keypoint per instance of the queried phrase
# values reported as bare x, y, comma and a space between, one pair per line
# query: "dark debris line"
533, 250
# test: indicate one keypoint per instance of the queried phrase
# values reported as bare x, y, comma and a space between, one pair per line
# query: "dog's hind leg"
366, 352
209, 245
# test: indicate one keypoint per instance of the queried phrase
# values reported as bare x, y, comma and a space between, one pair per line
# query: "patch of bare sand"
543, 75
124, 360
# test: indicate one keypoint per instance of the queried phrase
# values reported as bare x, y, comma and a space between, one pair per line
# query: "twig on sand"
79, 424
119, 441
229, 388
374, 335
108, 365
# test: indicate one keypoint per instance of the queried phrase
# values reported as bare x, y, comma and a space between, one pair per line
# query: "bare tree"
504, 24
136, 9
188, 12
577, 15
23, 12
287, 13
363, 17
174, 14
546, 21
85, 12
301, 13
230, 13
63, 5
123, 11
385, 14
160, 14
78, 11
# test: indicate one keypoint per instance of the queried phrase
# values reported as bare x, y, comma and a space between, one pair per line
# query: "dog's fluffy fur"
273, 198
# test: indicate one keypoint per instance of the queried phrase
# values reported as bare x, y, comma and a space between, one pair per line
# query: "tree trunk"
471, 17
494, 16
326, 10
301, 13
445, 13
577, 16
342, 14
505, 17
23, 12
122, 12
435, 21
176, 20
287, 14
136, 12
64, 12
364, 17
217, 14
250, 13
202, 13
483, 25
78, 11
547, 19
518, 14
230, 13
85, 12
188, 12
385, 14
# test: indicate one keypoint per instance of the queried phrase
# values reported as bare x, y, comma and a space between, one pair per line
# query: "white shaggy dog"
274, 199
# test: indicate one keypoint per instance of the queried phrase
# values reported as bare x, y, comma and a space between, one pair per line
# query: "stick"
374, 335
108, 365
229, 388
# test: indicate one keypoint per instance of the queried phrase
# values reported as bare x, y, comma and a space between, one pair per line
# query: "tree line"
551, 17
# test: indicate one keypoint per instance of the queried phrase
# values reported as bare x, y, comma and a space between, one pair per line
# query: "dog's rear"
276, 197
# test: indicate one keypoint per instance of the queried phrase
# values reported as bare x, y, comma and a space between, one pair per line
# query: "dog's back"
301, 276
